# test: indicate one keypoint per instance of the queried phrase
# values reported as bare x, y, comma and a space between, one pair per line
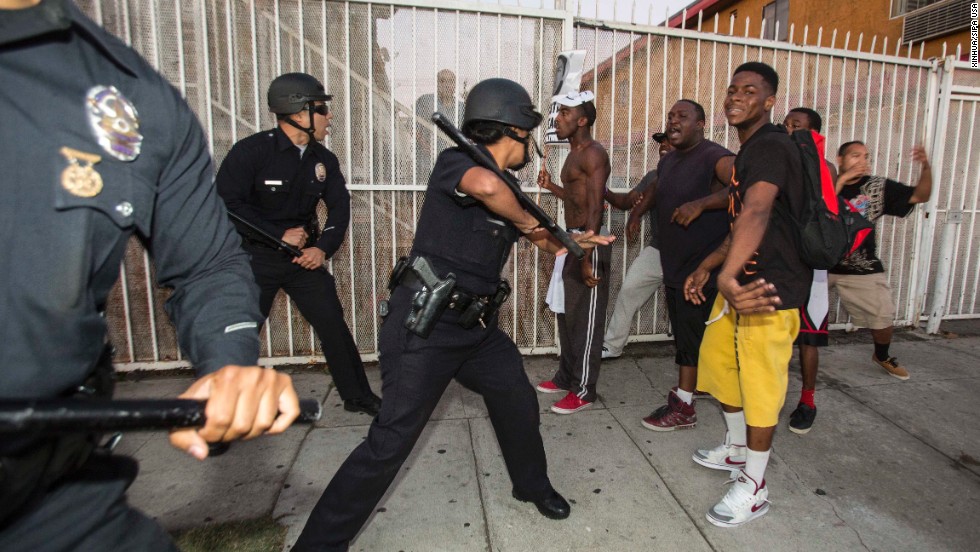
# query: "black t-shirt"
873, 197
770, 155
686, 176
458, 234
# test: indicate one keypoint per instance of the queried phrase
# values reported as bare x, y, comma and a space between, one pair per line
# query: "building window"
941, 18
902, 7
776, 15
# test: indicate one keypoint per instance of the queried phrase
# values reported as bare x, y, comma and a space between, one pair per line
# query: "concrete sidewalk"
889, 465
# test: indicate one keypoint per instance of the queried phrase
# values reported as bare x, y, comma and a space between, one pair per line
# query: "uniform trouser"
415, 372
643, 277
580, 328
88, 512
315, 294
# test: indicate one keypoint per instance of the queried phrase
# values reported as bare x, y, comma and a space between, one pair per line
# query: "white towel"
556, 288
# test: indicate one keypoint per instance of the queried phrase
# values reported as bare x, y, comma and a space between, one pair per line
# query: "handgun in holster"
498, 299
313, 231
430, 302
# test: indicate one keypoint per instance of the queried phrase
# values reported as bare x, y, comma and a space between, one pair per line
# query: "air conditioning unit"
936, 20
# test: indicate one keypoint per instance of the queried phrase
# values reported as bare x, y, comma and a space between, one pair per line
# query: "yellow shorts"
744, 360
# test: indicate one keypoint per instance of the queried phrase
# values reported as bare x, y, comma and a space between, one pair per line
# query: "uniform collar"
55, 16
283, 142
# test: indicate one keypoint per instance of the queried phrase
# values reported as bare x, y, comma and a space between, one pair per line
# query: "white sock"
736, 427
686, 396
755, 464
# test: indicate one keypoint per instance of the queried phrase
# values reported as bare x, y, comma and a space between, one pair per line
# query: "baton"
526, 202
69, 415
268, 238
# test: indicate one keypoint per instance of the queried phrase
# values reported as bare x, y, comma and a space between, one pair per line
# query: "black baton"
69, 415
530, 206
268, 238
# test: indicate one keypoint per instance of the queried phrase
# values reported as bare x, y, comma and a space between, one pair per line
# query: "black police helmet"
502, 101
291, 92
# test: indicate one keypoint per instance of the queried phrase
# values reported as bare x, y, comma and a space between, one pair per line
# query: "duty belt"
459, 299
434, 294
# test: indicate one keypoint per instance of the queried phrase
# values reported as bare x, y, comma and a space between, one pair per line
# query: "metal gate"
381, 60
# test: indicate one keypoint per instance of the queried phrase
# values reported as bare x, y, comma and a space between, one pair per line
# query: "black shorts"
687, 321
813, 332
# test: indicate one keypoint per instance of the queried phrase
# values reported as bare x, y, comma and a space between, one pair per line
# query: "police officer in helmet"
468, 224
275, 179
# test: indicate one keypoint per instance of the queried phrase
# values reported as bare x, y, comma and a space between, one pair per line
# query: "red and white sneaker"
745, 501
726, 456
549, 386
570, 404
676, 414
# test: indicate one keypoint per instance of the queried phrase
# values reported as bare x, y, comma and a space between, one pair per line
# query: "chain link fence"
385, 62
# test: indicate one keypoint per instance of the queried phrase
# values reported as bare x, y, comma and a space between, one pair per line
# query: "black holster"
30, 465
431, 300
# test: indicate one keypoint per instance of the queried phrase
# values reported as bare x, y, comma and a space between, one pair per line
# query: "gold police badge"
114, 122
79, 178
321, 172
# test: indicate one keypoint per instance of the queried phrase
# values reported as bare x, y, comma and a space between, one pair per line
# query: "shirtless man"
581, 319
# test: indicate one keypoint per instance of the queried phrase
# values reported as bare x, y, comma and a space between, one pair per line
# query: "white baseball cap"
573, 99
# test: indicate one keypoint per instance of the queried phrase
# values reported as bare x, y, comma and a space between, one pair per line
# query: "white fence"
378, 59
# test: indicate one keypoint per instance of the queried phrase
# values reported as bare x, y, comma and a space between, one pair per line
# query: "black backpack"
829, 228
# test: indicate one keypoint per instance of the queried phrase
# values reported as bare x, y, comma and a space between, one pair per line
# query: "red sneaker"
570, 404
548, 386
676, 414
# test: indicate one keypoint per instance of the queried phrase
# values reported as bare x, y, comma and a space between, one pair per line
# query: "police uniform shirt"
70, 203
458, 234
267, 180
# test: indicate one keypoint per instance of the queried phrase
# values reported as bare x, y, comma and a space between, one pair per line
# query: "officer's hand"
295, 237
587, 240
243, 402
312, 259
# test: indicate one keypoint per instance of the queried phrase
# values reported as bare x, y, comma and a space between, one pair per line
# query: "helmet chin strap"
508, 132
311, 129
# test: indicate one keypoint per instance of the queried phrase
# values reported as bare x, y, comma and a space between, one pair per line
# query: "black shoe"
553, 506
801, 419
369, 404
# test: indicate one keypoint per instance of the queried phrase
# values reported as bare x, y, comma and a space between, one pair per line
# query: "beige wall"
871, 17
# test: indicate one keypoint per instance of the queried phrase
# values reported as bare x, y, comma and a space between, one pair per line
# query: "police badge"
79, 178
114, 122
321, 172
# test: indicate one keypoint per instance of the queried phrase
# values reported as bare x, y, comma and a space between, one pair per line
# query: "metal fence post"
940, 83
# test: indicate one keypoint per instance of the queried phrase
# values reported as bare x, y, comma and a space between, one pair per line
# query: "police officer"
274, 180
465, 232
96, 146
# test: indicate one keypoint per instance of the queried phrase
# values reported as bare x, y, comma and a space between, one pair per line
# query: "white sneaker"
606, 353
727, 457
745, 501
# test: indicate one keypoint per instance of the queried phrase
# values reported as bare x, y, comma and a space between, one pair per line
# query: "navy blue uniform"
473, 243
267, 180
70, 203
